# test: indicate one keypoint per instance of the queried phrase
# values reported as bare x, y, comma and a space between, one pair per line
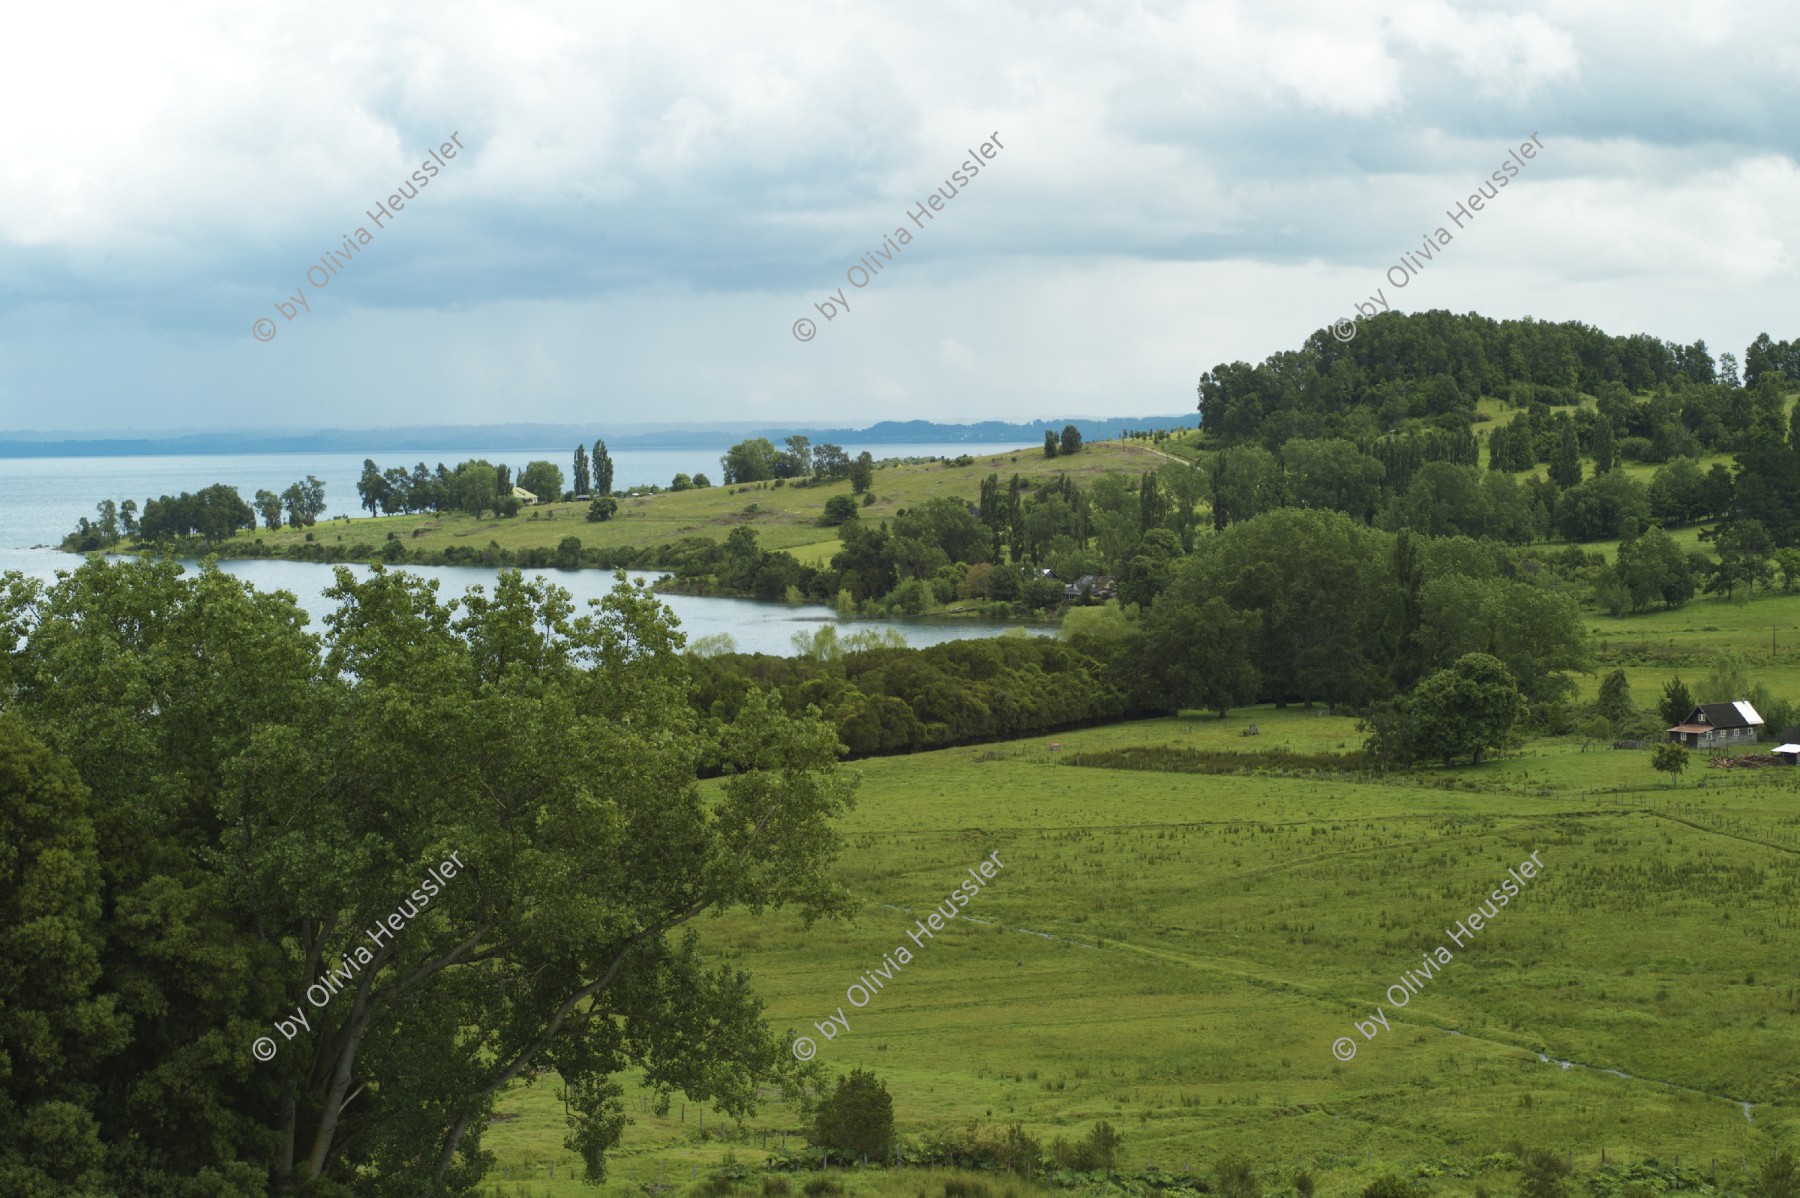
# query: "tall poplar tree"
582, 479
603, 469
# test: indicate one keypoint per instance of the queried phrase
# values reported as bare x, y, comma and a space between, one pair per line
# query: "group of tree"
212, 514
1413, 366
1068, 443
1288, 607
254, 794
756, 459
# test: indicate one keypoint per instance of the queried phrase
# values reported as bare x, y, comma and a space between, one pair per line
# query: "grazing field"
783, 517
1178, 952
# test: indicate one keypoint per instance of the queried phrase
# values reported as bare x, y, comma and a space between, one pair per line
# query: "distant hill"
482, 437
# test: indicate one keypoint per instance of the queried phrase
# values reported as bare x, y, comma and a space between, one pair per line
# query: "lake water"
41, 499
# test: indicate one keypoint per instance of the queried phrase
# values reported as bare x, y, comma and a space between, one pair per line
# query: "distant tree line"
213, 515
1409, 366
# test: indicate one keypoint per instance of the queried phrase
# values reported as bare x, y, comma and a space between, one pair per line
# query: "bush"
838, 509
956, 1187
602, 509
857, 1117
774, 1187
1389, 1186
1235, 1178
1099, 1149
823, 1187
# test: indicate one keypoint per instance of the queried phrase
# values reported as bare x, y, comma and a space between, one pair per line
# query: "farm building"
1717, 725
1789, 754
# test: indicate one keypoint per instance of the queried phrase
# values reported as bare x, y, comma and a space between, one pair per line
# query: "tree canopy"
254, 797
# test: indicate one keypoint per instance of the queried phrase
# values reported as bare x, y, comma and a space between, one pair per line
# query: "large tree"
1198, 655
269, 806
542, 479
750, 460
1463, 710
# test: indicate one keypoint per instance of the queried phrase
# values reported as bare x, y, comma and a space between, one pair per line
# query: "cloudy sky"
652, 195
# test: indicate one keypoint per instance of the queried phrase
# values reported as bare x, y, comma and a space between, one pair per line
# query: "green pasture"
1177, 953
784, 517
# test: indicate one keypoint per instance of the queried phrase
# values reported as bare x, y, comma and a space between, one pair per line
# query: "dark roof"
1725, 715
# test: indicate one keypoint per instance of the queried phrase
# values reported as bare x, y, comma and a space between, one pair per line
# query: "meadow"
783, 517
1177, 952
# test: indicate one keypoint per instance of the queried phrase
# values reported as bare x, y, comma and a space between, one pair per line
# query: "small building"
1717, 726
1092, 586
524, 496
1788, 754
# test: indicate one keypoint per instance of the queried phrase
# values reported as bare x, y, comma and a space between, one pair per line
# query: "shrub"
956, 1187
1235, 1178
823, 1187
857, 1117
602, 509
1389, 1186
838, 509
775, 1187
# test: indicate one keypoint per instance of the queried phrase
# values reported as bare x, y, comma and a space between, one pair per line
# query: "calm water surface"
41, 498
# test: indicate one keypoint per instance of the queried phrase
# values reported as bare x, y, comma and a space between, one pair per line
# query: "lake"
41, 498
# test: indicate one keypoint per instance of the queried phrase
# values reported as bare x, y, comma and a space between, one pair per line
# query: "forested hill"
1416, 366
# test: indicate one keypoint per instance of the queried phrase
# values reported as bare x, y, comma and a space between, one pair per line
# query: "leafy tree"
1787, 564
799, 449
751, 460
568, 553
1465, 709
700, 480
60, 1026
830, 462
862, 472
1676, 703
1676, 491
1332, 474
398, 486
128, 517
475, 487
1603, 507
1071, 439
603, 469
856, 1118
583, 476
247, 864
1652, 566
1565, 459
1242, 482
371, 488
838, 509
304, 502
542, 479
1744, 547
1049, 444
1614, 703
681, 482
1199, 655
1670, 758
602, 509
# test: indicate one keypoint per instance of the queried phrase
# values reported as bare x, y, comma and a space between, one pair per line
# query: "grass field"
784, 517
1178, 953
